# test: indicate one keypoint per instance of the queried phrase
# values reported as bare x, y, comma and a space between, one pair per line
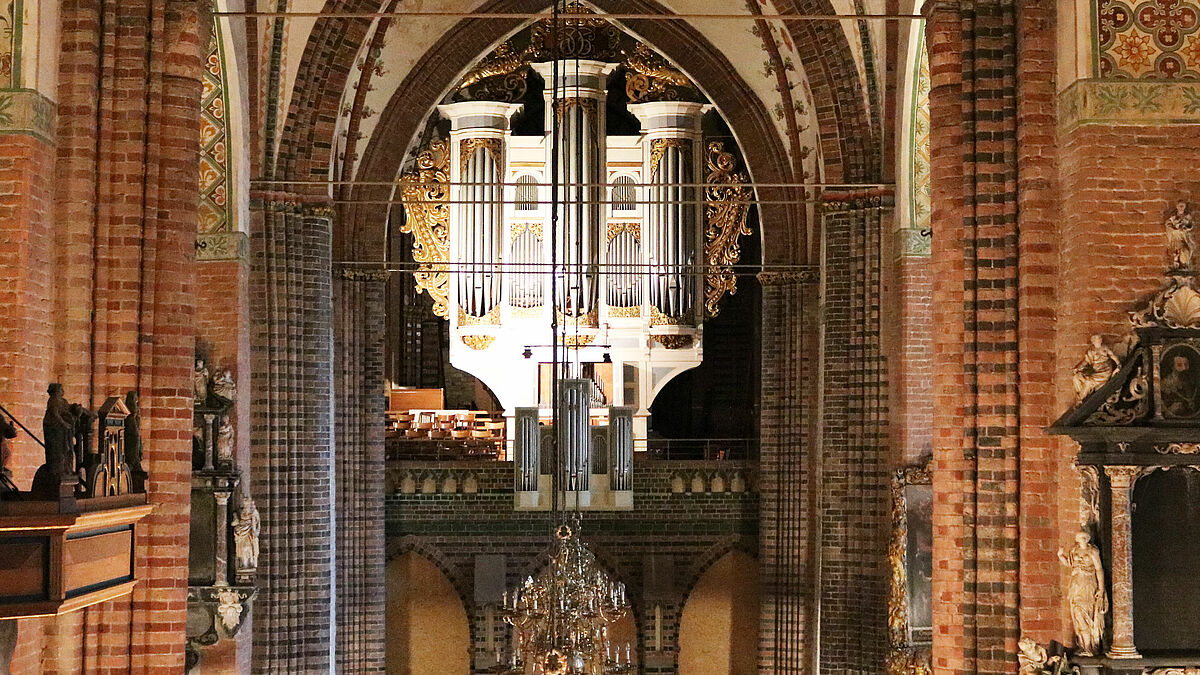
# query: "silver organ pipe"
527, 449
526, 256
574, 433
479, 284
620, 447
578, 173
623, 254
672, 228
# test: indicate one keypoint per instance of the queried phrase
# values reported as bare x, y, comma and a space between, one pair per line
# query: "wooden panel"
416, 399
96, 561
23, 568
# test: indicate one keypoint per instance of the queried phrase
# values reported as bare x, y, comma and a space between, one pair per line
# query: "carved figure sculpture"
229, 608
1094, 369
58, 432
1031, 657
133, 432
7, 430
200, 382
84, 419
245, 535
224, 386
1180, 241
1086, 596
225, 439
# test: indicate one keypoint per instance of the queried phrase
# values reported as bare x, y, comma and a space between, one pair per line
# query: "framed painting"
910, 557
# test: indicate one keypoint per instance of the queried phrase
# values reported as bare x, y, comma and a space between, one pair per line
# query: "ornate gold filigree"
576, 341
648, 77
562, 105
591, 319
532, 312
365, 275
580, 34
903, 658
502, 61
625, 312
657, 318
468, 146
728, 204
615, 229
673, 341
492, 318
658, 147
1179, 449
478, 342
425, 194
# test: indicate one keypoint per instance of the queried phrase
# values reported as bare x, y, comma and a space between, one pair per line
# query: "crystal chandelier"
561, 617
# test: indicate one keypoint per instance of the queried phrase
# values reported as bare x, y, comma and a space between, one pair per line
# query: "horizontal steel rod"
573, 202
619, 16
384, 183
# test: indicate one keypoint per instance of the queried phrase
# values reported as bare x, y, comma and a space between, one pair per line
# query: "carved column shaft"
222, 537
1122, 479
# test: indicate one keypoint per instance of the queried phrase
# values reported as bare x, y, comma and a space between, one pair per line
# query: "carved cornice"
26, 111
810, 275
1128, 102
222, 247
365, 275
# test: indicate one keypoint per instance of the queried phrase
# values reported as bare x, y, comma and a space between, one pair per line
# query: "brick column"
359, 467
786, 465
976, 259
291, 435
854, 481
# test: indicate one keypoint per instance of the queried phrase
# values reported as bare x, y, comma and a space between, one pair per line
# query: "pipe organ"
636, 241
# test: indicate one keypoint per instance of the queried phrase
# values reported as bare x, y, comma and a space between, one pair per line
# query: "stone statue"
133, 432
245, 535
1094, 369
200, 382
1180, 241
7, 431
1031, 657
225, 440
58, 432
224, 386
1085, 593
84, 420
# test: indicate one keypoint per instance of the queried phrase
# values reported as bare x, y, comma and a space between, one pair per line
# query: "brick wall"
691, 529
105, 231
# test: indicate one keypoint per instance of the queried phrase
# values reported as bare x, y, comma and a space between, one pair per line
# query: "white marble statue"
245, 535
224, 386
225, 440
1086, 596
200, 382
1094, 369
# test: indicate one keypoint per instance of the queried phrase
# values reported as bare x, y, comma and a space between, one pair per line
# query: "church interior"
599, 337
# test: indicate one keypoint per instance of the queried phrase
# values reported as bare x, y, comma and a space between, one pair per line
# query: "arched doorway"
718, 631
427, 628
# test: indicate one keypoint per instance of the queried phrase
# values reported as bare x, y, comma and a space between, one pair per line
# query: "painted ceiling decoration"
1150, 39
214, 146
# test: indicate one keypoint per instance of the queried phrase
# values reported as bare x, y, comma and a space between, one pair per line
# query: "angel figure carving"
1181, 241
1094, 369
1031, 657
1085, 593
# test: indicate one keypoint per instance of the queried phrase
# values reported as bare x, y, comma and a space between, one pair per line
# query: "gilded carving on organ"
425, 193
1086, 596
727, 206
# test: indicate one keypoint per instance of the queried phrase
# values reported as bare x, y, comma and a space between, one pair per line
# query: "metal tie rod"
620, 16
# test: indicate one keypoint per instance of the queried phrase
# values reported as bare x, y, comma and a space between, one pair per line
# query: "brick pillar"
976, 259
854, 481
291, 435
787, 501
359, 467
